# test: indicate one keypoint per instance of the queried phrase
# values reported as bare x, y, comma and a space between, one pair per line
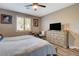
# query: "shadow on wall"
71, 40
76, 36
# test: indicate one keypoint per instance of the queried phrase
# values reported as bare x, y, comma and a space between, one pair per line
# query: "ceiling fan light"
35, 7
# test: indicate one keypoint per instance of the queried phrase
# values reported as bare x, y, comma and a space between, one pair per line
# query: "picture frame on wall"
6, 19
35, 22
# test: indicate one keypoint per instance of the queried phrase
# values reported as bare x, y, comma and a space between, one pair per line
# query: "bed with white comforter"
25, 46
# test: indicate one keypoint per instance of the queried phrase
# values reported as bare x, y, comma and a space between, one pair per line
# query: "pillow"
1, 37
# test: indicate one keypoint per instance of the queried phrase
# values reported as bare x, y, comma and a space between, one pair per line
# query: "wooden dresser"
57, 37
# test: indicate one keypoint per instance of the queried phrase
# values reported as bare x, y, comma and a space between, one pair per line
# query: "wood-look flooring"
66, 51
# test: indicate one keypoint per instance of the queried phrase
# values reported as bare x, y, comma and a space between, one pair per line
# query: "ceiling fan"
35, 6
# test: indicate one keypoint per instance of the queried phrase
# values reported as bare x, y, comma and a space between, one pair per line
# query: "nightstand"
42, 37
39, 36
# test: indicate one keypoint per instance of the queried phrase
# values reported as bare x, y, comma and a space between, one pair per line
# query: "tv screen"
55, 26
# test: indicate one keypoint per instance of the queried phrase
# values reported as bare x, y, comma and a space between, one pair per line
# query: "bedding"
25, 46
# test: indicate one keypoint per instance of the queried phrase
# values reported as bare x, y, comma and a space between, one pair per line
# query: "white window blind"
27, 24
23, 23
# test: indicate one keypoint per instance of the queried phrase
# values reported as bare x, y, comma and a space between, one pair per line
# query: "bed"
26, 45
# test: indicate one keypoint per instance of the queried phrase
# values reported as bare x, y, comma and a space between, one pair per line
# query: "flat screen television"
55, 26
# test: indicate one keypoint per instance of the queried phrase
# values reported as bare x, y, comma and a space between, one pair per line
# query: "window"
20, 23
27, 24
23, 24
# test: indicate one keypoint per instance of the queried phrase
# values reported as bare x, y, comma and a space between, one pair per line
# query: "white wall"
69, 15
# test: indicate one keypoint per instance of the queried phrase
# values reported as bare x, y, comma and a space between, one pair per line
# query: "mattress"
25, 46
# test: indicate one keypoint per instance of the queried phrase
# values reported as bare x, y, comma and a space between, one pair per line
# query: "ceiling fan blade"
28, 5
42, 6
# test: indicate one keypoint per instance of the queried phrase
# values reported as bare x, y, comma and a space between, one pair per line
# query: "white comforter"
25, 45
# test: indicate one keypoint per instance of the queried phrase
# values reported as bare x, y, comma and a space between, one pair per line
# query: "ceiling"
19, 7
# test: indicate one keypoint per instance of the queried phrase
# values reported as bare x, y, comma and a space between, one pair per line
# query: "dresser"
58, 37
